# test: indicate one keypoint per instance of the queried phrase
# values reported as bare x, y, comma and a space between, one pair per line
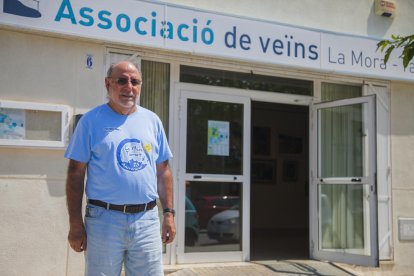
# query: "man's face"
124, 88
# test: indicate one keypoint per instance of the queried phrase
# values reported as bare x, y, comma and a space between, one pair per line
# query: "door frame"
315, 252
184, 91
175, 113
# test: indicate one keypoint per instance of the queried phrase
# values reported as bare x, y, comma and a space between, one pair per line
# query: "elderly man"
124, 151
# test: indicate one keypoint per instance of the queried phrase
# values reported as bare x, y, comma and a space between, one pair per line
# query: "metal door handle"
356, 179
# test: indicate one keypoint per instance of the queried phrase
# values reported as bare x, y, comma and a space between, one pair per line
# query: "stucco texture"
350, 17
402, 131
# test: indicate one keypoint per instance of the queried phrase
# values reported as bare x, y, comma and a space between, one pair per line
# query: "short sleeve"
79, 147
164, 149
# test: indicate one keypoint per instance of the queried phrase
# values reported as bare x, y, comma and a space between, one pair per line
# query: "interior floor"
292, 244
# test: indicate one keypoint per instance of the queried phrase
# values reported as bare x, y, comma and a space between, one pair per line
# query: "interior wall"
281, 202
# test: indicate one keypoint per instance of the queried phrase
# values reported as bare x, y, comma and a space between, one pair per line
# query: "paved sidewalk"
259, 268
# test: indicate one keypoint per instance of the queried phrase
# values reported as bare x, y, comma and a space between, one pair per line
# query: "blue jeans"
115, 238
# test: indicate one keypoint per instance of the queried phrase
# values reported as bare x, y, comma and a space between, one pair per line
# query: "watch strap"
169, 210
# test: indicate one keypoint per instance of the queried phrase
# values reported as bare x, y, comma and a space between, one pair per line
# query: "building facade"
291, 136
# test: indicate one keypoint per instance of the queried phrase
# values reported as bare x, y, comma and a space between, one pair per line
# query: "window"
155, 94
33, 124
245, 81
334, 91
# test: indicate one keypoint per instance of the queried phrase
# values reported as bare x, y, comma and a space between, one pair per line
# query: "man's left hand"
168, 228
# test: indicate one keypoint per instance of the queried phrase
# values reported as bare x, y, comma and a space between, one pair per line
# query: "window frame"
64, 123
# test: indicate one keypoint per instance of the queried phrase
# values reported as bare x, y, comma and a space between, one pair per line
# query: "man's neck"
122, 111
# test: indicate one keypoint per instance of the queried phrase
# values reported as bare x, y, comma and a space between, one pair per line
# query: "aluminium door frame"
183, 92
315, 253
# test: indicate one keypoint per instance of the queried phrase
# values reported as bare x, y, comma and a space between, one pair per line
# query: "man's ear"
107, 80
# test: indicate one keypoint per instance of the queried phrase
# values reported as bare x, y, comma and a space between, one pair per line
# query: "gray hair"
112, 66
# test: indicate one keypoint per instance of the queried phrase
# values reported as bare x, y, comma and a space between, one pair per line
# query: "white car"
225, 226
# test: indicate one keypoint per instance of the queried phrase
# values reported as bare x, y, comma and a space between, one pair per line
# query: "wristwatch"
169, 210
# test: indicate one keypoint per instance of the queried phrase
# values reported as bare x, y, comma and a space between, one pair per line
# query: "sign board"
162, 26
28, 124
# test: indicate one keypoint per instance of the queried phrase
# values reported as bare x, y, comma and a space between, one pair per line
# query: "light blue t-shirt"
121, 152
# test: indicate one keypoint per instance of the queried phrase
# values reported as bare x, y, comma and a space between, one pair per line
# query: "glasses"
123, 81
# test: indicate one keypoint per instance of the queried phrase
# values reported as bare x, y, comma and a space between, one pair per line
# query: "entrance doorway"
279, 227
213, 178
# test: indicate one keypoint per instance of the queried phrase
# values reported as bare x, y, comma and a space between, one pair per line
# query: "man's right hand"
74, 194
77, 238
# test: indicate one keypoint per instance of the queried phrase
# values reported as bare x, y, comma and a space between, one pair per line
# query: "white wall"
351, 16
402, 141
32, 181
49, 70
40, 68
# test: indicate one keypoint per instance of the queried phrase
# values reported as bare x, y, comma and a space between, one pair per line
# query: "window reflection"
213, 217
343, 214
199, 160
225, 225
247, 81
192, 227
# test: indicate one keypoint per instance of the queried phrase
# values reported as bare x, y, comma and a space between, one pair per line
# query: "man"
124, 150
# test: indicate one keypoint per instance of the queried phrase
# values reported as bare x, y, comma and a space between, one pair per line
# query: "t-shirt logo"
131, 155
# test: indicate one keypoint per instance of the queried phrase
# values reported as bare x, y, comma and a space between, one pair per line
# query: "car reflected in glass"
192, 227
208, 206
225, 226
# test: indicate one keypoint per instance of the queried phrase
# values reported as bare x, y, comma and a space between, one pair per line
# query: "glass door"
214, 176
343, 191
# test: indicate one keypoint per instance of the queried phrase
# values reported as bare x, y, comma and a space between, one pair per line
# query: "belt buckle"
145, 209
125, 208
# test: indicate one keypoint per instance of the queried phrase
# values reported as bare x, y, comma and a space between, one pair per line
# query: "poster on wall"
12, 123
218, 138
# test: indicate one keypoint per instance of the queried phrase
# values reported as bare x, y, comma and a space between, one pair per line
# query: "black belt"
129, 208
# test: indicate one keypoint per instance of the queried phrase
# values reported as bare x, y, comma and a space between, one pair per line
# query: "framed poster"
263, 171
261, 141
290, 144
218, 139
290, 170
28, 124
12, 123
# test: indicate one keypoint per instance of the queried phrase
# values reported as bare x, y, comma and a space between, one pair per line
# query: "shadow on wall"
377, 25
402, 112
22, 163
